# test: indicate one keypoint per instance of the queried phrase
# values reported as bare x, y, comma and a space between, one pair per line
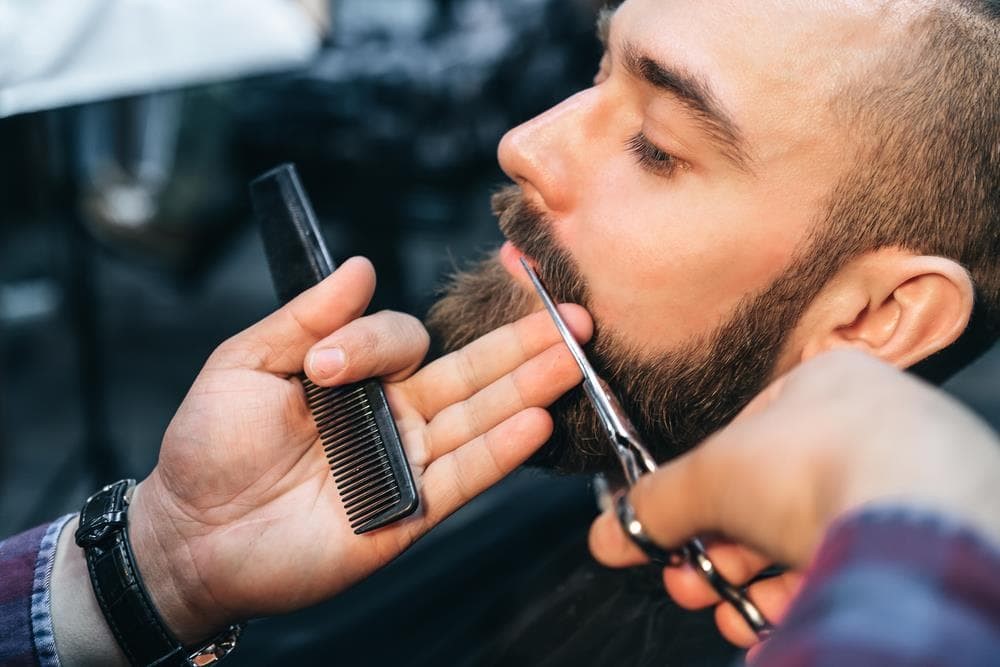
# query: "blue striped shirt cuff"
41, 595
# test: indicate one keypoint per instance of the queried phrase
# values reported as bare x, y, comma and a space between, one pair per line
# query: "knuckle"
369, 342
361, 346
496, 468
467, 371
472, 417
239, 352
463, 487
404, 328
524, 333
413, 330
521, 394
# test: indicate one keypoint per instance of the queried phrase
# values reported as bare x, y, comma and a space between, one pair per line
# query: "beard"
675, 399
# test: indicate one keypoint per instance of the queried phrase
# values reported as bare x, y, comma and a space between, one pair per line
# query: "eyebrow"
691, 91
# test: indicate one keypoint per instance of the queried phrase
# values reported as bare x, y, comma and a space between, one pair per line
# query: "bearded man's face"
675, 399
675, 200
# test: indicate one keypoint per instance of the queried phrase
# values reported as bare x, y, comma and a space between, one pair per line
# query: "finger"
712, 490
659, 498
457, 376
753, 652
279, 342
733, 628
764, 399
771, 596
536, 383
386, 344
792, 382
459, 476
738, 564
609, 544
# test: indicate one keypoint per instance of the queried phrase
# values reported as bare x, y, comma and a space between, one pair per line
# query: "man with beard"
745, 186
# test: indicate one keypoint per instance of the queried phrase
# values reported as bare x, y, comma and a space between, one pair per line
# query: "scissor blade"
620, 431
592, 384
589, 374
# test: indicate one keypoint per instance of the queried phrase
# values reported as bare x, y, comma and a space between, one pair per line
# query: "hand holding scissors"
637, 461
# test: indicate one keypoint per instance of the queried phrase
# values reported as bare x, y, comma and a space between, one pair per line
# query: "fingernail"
328, 364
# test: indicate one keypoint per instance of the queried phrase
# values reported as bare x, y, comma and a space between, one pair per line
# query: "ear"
894, 305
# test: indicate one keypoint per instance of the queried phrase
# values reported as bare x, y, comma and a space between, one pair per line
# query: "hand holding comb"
356, 428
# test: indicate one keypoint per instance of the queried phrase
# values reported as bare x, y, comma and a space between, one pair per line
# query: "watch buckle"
217, 648
97, 530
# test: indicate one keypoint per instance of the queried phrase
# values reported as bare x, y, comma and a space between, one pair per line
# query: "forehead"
775, 65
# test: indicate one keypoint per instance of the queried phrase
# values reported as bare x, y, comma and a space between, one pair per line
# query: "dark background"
116, 284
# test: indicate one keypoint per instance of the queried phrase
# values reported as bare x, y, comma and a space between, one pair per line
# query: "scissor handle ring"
637, 533
695, 553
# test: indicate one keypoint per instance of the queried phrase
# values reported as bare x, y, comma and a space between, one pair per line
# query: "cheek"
661, 274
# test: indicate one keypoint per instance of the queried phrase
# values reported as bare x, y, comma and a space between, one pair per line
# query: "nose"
545, 153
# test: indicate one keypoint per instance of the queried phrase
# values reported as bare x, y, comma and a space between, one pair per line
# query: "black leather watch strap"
103, 534
124, 600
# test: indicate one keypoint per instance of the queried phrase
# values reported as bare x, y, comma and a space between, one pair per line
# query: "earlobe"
896, 306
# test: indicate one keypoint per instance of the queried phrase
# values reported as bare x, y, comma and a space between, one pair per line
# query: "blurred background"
128, 133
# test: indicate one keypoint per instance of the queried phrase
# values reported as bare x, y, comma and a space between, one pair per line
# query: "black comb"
355, 426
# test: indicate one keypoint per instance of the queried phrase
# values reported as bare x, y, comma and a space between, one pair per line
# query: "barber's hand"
840, 432
241, 517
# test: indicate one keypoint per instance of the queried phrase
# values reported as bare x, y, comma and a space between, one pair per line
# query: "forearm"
82, 635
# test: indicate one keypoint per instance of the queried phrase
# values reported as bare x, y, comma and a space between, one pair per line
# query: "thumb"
750, 482
278, 343
673, 504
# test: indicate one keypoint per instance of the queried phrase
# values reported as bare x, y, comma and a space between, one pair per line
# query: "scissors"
636, 461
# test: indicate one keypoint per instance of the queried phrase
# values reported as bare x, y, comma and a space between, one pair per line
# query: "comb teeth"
365, 453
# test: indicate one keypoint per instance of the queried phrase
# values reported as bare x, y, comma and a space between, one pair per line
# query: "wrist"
936, 477
82, 636
168, 570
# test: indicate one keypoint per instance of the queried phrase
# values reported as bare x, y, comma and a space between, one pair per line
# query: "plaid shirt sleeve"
891, 587
25, 576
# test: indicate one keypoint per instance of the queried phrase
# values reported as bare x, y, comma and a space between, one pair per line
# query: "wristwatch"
137, 626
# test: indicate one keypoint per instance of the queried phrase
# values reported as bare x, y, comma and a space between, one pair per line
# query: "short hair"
925, 176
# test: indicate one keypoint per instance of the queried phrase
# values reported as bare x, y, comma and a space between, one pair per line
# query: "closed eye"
652, 158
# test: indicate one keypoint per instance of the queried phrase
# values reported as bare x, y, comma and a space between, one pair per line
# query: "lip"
510, 259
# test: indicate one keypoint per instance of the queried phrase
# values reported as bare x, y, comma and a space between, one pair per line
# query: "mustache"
527, 227
483, 296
